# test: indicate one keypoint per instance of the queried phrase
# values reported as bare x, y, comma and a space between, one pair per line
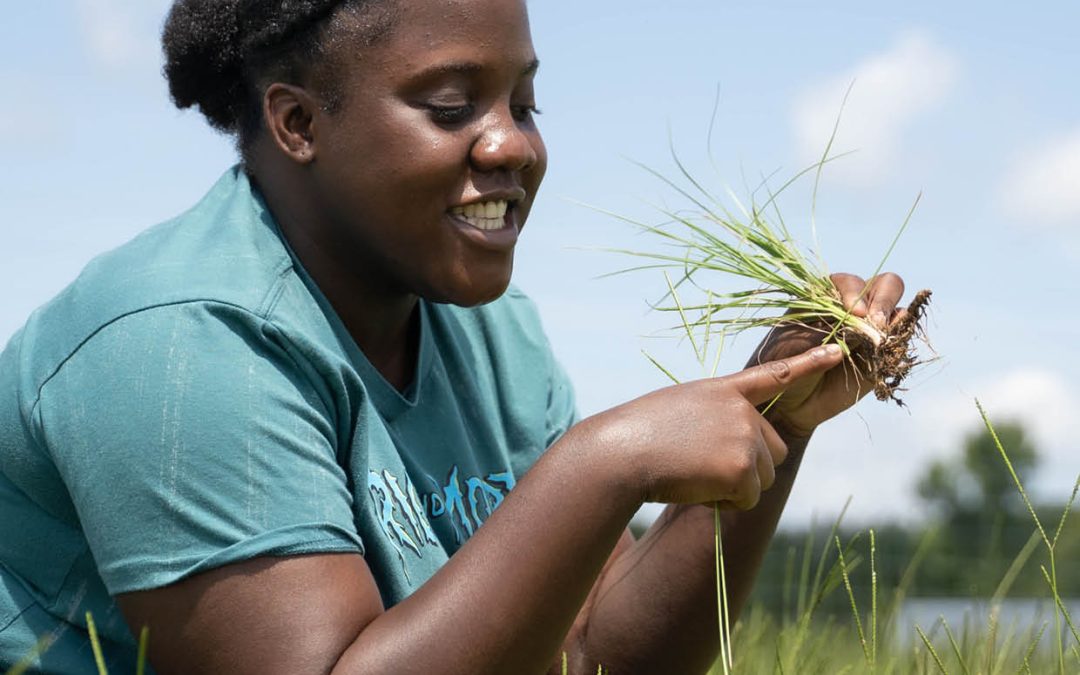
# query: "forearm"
747, 534
505, 601
662, 591
517, 585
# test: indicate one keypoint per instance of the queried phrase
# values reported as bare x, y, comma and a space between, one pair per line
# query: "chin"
473, 292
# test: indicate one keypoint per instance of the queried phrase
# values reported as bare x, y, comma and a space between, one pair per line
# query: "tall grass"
807, 644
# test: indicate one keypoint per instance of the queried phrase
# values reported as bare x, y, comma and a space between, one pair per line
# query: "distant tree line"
979, 527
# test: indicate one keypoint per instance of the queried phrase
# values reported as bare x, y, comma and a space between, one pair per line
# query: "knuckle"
745, 429
744, 467
779, 370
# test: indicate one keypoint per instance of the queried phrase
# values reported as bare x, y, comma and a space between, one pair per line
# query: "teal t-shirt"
192, 401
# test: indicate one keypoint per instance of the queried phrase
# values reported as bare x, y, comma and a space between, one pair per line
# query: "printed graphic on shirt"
405, 516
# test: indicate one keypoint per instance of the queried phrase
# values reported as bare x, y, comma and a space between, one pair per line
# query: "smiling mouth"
485, 215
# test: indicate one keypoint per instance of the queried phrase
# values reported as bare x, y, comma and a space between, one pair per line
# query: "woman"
271, 428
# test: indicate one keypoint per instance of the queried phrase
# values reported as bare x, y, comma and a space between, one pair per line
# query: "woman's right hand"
703, 441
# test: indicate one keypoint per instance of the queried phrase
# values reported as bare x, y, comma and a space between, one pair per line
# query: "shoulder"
220, 258
225, 249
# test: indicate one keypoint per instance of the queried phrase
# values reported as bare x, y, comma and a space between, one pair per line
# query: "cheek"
426, 166
392, 137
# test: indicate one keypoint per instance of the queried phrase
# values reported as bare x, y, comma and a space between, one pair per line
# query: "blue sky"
975, 105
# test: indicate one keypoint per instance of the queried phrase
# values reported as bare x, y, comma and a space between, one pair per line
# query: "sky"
972, 105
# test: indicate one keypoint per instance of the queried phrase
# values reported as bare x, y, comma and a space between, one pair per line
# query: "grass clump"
784, 283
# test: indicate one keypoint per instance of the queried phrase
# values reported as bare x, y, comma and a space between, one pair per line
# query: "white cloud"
1043, 188
889, 90
1043, 401
121, 33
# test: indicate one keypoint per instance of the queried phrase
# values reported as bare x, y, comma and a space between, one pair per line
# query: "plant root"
892, 360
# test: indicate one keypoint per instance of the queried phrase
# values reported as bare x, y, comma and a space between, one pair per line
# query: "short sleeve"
190, 437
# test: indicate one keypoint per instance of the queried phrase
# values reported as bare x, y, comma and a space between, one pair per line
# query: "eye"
455, 114
524, 112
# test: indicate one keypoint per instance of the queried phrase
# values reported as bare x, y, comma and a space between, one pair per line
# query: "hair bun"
203, 60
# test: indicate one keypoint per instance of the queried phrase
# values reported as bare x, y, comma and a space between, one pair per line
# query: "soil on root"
889, 363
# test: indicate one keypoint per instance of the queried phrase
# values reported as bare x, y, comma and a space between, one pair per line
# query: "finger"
885, 292
852, 292
766, 469
763, 383
778, 449
747, 492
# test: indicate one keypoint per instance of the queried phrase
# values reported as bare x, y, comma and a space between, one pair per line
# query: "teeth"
483, 215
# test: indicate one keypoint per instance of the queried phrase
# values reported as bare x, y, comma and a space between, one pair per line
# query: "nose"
505, 144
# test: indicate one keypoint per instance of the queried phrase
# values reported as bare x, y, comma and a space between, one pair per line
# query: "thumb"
763, 383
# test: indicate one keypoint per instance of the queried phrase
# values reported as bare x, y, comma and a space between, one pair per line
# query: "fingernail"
832, 350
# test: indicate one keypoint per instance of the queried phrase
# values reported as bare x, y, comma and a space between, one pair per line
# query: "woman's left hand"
812, 400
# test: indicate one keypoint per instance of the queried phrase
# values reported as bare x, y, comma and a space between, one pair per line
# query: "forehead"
488, 32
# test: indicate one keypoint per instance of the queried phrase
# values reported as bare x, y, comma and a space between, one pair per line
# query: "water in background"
967, 614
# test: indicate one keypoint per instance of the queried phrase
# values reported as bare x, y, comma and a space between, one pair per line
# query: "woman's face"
429, 168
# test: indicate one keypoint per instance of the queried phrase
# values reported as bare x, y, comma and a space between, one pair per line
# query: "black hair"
220, 55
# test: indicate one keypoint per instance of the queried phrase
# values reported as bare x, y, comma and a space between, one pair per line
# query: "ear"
290, 112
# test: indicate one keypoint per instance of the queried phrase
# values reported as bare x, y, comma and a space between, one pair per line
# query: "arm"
661, 589
507, 599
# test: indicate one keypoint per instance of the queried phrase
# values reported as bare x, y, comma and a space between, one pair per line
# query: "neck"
382, 319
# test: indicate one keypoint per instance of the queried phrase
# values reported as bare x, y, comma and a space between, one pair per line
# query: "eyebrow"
470, 67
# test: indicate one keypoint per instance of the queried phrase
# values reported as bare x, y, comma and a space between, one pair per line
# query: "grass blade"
95, 645
23, 665
723, 621
851, 599
1012, 472
144, 644
955, 646
661, 368
1068, 509
1026, 665
933, 652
